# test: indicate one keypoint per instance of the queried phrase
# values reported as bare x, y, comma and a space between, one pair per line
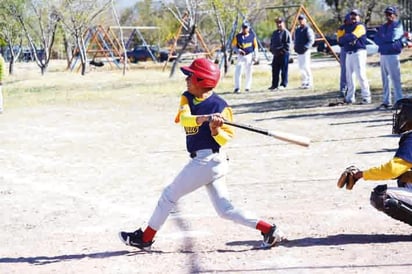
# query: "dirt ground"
73, 175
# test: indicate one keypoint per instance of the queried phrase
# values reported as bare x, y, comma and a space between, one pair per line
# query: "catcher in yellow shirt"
394, 201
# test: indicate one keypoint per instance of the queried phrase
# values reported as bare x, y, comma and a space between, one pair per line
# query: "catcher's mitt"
347, 178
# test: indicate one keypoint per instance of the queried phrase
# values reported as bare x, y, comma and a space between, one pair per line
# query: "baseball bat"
287, 137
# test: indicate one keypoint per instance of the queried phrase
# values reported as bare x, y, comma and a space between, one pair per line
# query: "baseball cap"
245, 25
356, 12
391, 10
301, 16
279, 20
347, 17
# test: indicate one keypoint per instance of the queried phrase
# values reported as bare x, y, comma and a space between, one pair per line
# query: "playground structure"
302, 10
186, 34
102, 46
135, 34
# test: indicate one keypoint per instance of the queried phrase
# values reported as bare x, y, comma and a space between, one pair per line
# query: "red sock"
148, 234
263, 226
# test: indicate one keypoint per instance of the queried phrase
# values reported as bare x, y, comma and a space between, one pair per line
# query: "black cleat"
135, 239
272, 237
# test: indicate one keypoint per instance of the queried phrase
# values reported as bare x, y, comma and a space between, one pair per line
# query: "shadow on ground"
345, 239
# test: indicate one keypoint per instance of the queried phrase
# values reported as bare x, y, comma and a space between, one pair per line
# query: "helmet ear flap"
402, 117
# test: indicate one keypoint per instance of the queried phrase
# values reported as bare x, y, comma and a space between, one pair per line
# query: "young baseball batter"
202, 113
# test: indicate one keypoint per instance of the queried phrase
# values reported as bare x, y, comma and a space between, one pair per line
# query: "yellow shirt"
390, 170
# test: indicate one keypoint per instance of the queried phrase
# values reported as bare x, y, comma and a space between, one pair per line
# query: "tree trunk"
68, 51
11, 65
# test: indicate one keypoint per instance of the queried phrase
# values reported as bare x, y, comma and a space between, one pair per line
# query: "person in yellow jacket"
2, 67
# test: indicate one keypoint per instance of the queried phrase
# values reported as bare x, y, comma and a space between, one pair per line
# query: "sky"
120, 4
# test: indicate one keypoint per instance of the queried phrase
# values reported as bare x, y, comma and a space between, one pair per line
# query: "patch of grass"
59, 86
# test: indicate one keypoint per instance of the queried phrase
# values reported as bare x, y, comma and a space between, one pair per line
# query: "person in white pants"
356, 66
353, 38
304, 38
246, 46
391, 40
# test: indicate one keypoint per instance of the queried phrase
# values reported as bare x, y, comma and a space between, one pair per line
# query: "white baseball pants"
401, 193
356, 66
391, 75
244, 62
304, 67
206, 169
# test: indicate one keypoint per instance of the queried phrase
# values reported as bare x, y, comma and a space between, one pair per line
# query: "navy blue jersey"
405, 147
200, 137
246, 43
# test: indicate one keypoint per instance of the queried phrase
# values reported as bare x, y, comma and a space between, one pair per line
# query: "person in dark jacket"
390, 39
280, 47
304, 39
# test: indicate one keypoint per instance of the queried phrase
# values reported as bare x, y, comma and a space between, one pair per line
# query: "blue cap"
347, 17
391, 10
356, 12
245, 24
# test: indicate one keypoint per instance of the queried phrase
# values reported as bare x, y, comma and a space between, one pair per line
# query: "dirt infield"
73, 175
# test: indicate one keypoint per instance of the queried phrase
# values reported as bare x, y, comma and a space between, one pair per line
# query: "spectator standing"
280, 47
2, 66
304, 39
342, 57
246, 46
353, 39
390, 39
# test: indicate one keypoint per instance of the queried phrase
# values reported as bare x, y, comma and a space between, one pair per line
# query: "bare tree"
39, 22
10, 31
367, 7
77, 17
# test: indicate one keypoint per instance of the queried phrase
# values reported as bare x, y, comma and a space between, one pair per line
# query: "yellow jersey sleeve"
234, 41
184, 116
340, 33
225, 132
359, 31
387, 171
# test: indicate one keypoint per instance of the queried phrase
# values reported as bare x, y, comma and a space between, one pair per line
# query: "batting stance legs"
210, 172
206, 169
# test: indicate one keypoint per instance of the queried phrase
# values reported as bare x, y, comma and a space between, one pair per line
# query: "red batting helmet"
204, 73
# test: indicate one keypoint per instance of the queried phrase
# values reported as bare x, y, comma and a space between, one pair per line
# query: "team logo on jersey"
191, 130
